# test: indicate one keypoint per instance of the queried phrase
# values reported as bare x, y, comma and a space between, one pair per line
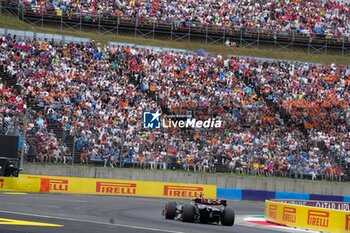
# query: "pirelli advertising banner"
313, 218
18, 184
72, 185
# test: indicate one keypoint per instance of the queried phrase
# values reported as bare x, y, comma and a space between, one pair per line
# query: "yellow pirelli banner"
73, 185
313, 218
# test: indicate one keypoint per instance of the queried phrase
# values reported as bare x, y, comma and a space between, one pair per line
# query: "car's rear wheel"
188, 213
228, 217
170, 210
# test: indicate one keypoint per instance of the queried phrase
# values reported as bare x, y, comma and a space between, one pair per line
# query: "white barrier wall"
219, 179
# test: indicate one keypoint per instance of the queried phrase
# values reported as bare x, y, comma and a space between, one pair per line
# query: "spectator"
279, 118
311, 18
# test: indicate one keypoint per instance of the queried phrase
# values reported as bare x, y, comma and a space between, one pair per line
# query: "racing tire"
188, 213
170, 210
228, 217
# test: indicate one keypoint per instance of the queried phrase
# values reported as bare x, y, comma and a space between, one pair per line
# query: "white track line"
86, 221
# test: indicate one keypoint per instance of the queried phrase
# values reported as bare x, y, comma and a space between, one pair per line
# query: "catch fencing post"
62, 20
42, 17
136, 22
241, 40
80, 22
18, 7
74, 140
206, 34
23, 138
118, 21
99, 25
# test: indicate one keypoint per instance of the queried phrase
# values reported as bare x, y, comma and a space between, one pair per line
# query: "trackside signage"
320, 204
273, 211
116, 188
312, 218
74, 185
347, 222
289, 214
182, 191
54, 185
318, 218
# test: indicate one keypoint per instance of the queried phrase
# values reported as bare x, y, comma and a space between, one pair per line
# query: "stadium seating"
280, 118
311, 18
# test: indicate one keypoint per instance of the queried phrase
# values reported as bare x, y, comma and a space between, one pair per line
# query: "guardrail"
155, 48
307, 217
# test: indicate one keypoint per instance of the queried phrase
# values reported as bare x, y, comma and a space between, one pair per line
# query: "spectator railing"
269, 60
154, 48
20, 34
187, 31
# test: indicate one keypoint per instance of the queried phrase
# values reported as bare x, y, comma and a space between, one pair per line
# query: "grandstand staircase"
52, 126
345, 169
56, 128
69, 142
151, 95
9, 81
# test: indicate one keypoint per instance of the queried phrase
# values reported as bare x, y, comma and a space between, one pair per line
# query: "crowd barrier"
262, 195
72, 185
319, 204
155, 48
102, 186
312, 218
271, 60
20, 34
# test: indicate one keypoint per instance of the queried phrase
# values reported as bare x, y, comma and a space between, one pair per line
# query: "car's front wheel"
188, 213
228, 217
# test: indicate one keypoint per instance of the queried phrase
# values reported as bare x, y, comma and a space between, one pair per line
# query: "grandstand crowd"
280, 118
312, 18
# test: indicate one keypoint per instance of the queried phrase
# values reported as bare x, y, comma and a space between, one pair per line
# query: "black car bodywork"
201, 210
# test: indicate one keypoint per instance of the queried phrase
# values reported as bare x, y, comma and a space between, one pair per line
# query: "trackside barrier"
73, 185
313, 218
319, 204
262, 195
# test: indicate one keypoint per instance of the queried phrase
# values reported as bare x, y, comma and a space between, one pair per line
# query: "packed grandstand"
315, 17
279, 118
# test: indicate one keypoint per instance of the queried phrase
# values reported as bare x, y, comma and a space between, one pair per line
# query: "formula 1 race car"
201, 210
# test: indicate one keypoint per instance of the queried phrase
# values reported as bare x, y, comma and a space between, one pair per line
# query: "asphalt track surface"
107, 214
